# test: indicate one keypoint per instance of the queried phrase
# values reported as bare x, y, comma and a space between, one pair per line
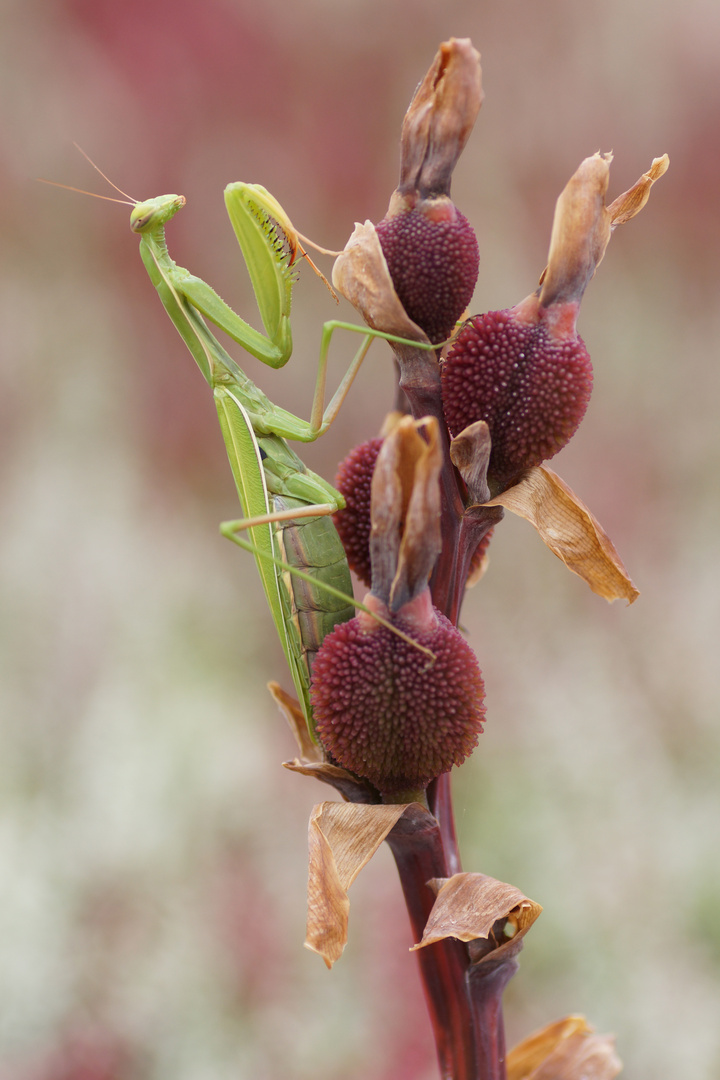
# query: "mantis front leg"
269, 244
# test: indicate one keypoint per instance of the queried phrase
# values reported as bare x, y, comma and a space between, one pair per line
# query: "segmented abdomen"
313, 545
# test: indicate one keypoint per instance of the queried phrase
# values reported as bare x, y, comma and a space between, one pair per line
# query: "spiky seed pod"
414, 273
527, 373
433, 258
386, 714
354, 481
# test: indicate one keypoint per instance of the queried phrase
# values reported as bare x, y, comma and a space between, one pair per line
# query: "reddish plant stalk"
486, 984
420, 856
464, 1001
514, 387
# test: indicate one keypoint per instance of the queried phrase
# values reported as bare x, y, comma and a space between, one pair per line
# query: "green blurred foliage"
152, 850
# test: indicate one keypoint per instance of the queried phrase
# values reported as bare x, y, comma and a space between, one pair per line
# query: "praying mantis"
287, 507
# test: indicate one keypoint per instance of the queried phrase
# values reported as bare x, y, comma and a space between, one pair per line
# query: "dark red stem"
420, 382
440, 802
486, 983
464, 999
417, 846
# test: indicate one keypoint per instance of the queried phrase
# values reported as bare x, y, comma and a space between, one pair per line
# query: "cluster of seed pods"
516, 381
397, 711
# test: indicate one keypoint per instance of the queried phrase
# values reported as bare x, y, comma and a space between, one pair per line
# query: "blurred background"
152, 849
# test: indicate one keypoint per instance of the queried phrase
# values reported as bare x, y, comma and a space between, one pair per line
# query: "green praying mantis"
287, 507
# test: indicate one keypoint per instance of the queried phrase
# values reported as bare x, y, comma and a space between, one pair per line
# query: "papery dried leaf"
468, 906
580, 232
440, 118
389, 496
403, 450
391, 421
583, 225
570, 531
342, 838
405, 535
565, 1050
470, 454
422, 539
532, 1051
345, 783
478, 571
631, 202
361, 274
290, 708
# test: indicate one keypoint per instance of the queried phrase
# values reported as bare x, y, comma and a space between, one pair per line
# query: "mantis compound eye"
155, 212
139, 222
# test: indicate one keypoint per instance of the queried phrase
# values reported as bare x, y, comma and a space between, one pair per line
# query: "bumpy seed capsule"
416, 270
387, 714
527, 373
433, 258
353, 481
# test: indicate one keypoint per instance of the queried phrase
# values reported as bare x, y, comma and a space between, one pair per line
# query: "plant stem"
419, 855
464, 998
485, 983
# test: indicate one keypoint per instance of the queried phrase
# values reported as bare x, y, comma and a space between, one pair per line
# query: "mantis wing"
247, 467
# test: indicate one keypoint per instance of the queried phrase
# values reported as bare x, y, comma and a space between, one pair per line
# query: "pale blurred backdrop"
152, 849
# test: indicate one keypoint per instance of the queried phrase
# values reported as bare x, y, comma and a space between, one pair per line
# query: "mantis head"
155, 212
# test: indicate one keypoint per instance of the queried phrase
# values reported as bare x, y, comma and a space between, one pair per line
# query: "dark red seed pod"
527, 373
387, 714
353, 481
433, 258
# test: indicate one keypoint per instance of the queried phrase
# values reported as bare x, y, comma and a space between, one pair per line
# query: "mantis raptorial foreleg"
271, 246
187, 298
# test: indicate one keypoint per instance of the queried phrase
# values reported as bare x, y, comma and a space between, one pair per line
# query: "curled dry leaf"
361, 274
342, 838
421, 540
405, 538
470, 454
391, 489
440, 118
631, 202
311, 761
570, 531
469, 905
352, 788
583, 225
565, 1050
290, 708
416, 462
478, 569
580, 232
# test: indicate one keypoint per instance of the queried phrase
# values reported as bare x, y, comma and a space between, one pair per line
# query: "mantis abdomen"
311, 610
